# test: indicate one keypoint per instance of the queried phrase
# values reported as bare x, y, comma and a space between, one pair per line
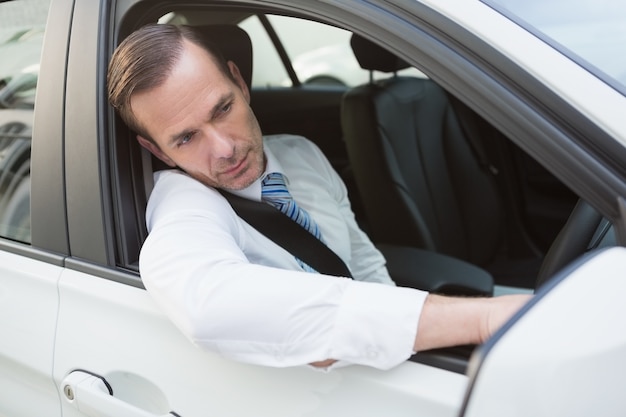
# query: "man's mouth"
234, 170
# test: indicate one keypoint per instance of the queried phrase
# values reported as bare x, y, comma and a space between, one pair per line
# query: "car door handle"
93, 396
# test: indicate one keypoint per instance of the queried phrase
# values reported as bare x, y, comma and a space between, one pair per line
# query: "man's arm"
193, 265
452, 321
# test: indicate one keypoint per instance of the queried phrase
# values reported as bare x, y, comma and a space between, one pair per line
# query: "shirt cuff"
376, 325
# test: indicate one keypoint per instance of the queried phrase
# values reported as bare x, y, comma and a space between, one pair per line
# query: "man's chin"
236, 184
246, 176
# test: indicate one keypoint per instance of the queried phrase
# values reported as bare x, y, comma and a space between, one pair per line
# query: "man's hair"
144, 60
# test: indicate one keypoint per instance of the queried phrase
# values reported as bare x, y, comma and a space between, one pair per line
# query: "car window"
591, 32
22, 26
267, 67
320, 54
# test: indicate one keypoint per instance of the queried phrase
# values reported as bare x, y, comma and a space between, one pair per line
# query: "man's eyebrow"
221, 103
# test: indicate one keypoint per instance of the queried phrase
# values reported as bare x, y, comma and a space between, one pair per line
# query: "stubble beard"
245, 178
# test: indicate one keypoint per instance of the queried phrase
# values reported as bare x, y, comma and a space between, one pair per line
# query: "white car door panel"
28, 312
115, 333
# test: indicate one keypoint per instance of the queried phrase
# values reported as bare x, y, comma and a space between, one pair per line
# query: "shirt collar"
253, 191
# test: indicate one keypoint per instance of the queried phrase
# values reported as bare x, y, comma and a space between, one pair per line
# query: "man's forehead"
194, 76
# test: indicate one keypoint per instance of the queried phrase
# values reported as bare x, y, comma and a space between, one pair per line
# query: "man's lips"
234, 170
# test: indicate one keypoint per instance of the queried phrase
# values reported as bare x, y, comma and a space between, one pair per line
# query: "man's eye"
226, 108
185, 139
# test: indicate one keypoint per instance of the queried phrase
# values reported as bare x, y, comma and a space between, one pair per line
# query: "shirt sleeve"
192, 265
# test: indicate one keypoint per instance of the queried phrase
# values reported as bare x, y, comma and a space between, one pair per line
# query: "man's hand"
323, 364
453, 321
501, 309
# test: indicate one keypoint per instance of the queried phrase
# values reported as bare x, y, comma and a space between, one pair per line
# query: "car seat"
421, 182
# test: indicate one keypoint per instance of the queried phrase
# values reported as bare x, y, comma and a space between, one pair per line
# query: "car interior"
410, 141
453, 205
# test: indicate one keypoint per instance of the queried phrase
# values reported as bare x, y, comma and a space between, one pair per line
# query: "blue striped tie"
275, 193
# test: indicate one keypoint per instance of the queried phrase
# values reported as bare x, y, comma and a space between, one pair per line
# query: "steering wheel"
572, 241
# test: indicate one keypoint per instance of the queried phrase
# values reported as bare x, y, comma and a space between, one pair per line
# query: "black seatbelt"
289, 235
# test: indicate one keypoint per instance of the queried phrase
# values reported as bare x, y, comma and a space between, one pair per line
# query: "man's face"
201, 122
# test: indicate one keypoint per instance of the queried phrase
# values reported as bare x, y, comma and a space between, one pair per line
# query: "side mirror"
564, 354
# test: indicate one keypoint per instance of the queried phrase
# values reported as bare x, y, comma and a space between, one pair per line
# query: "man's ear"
155, 150
234, 70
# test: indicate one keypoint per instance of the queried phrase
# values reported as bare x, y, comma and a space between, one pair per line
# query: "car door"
116, 354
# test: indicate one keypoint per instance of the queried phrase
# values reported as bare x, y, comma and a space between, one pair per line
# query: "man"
226, 286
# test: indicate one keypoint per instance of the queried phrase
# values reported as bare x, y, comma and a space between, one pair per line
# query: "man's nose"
221, 145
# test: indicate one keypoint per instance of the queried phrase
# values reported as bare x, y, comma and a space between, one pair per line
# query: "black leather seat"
420, 182
235, 45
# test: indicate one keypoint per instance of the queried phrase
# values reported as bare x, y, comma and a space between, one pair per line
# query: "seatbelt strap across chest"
289, 235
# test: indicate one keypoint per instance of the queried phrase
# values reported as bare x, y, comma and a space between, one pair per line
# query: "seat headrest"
235, 44
374, 58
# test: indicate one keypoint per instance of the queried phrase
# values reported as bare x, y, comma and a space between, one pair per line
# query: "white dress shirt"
232, 290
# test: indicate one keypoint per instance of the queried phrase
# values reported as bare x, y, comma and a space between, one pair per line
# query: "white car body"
66, 330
